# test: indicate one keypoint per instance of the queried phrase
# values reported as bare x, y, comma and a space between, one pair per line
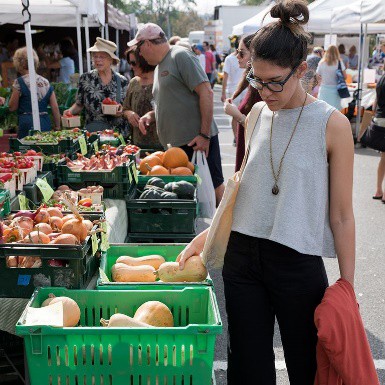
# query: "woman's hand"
232, 110
132, 117
145, 121
195, 247
2, 101
67, 112
119, 111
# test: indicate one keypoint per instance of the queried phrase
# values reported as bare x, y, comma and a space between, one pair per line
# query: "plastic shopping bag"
205, 189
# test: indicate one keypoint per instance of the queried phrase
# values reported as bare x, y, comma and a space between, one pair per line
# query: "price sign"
23, 202
122, 140
45, 189
105, 244
95, 244
96, 145
103, 275
135, 173
83, 145
1, 132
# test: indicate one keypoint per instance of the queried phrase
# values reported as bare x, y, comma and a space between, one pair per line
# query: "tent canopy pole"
31, 66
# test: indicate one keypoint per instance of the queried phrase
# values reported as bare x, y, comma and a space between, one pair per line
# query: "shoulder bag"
342, 88
374, 137
218, 236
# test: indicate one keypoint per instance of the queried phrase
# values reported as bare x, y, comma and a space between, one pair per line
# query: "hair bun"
291, 12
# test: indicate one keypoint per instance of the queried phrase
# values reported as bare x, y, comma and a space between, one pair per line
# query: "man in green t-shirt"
183, 100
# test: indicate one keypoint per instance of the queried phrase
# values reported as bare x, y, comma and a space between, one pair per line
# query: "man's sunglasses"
272, 86
132, 63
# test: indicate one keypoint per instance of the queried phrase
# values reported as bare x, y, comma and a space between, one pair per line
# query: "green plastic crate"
5, 203
117, 175
159, 238
143, 179
168, 251
21, 282
157, 216
67, 146
181, 355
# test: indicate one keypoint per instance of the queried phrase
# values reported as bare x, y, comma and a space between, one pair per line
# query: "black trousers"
264, 280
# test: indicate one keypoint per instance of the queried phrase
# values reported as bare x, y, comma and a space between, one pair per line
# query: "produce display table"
367, 98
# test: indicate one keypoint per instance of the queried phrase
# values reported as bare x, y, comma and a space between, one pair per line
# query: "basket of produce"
149, 266
116, 174
170, 165
70, 121
163, 208
46, 248
8, 182
118, 337
110, 107
51, 142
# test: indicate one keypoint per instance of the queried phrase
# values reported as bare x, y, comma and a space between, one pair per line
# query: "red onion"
28, 214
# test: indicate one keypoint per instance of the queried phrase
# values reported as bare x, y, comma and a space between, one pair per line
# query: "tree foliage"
258, 2
164, 13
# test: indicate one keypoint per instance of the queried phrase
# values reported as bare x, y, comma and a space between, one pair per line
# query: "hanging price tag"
134, 172
129, 176
23, 202
105, 244
45, 189
95, 243
83, 145
1, 132
103, 275
96, 146
122, 140
199, 179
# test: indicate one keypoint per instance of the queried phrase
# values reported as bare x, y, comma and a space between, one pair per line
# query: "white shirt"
202, 61
328, 73
234, 72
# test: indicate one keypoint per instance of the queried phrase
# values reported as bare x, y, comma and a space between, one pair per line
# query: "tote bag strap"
253, 117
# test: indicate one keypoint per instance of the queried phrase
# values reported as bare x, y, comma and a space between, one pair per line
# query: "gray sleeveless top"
298, 217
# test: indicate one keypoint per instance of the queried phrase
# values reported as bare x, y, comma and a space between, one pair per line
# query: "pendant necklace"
275, 189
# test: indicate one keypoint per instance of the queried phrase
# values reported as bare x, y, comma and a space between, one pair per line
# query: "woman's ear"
302, 69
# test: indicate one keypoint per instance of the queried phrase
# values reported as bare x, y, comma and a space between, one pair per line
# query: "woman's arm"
224, 85
195, 247
13, 103
75, 109
55, 110
340, 149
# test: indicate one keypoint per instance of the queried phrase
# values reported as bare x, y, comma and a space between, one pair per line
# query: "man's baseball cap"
200, 47
149, 31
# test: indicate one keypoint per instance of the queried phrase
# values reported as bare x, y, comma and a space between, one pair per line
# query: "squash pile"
149, 314
156, 188
152, 267
174, 161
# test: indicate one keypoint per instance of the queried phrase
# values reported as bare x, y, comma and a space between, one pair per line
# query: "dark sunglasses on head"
132, 63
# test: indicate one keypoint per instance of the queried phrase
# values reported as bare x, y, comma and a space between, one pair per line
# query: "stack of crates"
178, 355
161, 220
117, 183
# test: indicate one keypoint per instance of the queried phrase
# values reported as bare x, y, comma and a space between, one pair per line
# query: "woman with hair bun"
293, 207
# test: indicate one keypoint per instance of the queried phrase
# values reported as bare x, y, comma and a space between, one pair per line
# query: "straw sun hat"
103, 45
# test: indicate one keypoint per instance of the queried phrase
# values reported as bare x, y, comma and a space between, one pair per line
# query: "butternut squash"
153, 260
123, 273
119, 320
154, 313
194, 271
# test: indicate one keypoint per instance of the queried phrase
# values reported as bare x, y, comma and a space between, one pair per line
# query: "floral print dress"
92, 92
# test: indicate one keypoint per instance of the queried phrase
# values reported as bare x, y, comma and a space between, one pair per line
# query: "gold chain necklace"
275, 189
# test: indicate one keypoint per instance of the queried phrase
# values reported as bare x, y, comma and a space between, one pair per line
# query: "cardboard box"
110, 109
70, 122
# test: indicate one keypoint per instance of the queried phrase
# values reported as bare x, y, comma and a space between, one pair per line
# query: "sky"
207, 6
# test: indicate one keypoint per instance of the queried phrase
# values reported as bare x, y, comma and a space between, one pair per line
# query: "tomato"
87, 202
108, 101
17, 153
31, 153
76, 129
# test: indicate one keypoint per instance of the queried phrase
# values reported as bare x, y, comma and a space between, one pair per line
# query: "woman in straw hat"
101, 83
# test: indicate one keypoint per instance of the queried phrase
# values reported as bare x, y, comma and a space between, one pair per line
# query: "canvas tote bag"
218, 236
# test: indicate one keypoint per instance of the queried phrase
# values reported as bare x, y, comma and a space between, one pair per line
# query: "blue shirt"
67, 68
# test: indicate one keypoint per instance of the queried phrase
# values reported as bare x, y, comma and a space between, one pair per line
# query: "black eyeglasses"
140, 44
272, 86
132, 63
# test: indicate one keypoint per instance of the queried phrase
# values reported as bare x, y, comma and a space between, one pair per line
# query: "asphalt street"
370, 256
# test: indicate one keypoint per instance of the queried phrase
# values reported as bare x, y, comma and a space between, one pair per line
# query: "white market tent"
57, 13
320, 19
